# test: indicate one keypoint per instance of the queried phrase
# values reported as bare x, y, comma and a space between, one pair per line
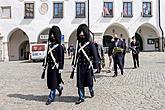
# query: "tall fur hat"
56, 32
83, 28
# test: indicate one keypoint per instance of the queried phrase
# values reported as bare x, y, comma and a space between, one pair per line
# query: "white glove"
73, 67
60, 70
94, 70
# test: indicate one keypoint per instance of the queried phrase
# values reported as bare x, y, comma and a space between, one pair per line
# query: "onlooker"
64, 48
71, 50
124, 49
100, 55
118, 54
110, 50
135, 51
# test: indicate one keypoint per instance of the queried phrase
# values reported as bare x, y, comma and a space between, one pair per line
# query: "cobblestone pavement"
21, 87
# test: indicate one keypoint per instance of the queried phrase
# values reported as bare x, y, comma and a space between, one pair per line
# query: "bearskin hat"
56, 32
83, 28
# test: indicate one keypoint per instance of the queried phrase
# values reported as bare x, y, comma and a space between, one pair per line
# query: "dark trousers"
118, 61
123, 60
135, 60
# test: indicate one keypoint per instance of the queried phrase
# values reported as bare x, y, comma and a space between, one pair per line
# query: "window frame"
151, 41
127, 9
29, 17
60, 15
150, 9
84, 16
112, 9
7, 7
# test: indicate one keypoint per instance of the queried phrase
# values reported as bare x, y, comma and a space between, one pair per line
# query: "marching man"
54, 63
86, 60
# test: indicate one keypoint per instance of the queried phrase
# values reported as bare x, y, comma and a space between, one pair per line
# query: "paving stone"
138, 89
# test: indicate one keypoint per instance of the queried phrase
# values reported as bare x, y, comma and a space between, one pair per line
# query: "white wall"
163, 15
68, 24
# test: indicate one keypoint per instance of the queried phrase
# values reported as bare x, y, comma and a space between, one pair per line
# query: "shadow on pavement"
30, 61
161, 62
43, 98
99, 75
128, 67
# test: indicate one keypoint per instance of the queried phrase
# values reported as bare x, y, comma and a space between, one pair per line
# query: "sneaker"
60, 90
121, 72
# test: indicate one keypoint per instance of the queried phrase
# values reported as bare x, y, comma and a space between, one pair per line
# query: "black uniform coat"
84, 73
53, 76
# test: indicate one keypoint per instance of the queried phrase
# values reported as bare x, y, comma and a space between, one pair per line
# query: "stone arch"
72, 38
18, 45
43, 36
148, 36
118, 29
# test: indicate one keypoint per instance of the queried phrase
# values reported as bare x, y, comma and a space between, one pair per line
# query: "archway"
148, 37
24, 50
43, 36
115, 28
139, 39
118, 29
72, 39
18, 45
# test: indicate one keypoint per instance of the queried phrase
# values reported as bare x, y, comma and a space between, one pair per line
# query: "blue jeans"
81, 92
52, 95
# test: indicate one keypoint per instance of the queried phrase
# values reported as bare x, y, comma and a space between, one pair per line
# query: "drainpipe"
161, 27
89, 20
88, 15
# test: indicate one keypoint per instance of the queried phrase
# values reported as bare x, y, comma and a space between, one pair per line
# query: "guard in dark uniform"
86, 60
118, 47
55, 62
135, 52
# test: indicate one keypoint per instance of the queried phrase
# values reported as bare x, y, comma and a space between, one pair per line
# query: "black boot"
92, 93
48, 102
60, 90
122, 72
79, 101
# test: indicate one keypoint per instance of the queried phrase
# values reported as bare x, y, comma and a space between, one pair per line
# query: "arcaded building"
26, 22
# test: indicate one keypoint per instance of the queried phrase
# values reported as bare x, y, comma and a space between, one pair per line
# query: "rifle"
45, 62
75, 61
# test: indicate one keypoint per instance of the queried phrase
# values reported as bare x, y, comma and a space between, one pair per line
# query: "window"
5, 12
150, 41
58, 10
80, 10
29, 10
127, 9
108, 9
147, 9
